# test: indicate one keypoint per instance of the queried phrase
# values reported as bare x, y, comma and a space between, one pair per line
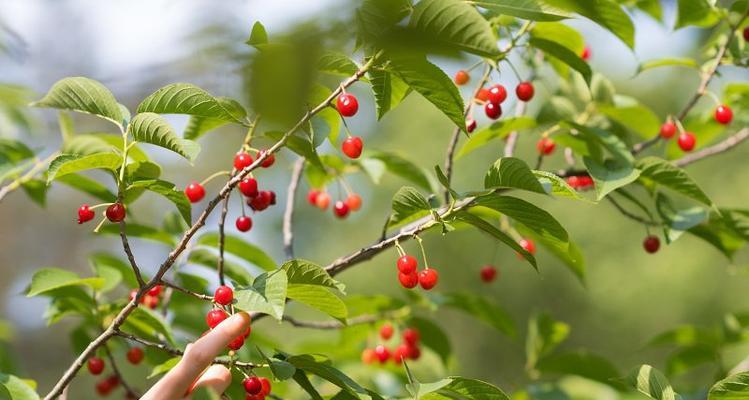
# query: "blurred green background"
134, 47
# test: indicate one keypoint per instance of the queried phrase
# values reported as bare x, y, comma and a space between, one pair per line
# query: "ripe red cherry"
411, 336
266, 386
723, 114
116, 212
155, 291
312, 196
261, 201
214, 317
248, 187
340, 209
585, 181
386, 331
223, 295
382, 353
352, 147
545, 146
368, 356
428, 278
746, 33
151, 301
492, 110
85, 214
268, 161
322, 201
401, 353
237, 343
408, 281
244, 223
242, 160
462, 77
497, 94
105, 387
482, 95
252, 385
585, 55
347, 104
95, 365
488, 273
195, 192
471, 125
524, 91
528, 245
687, 141
135, 355
668, 130
407, 264
353, 201
414, 353
651, 244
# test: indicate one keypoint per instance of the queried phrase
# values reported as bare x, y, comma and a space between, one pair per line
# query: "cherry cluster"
222, 299
493, 97
408, 349
341, 208
256, 388
409, 276
151, 299
96, 366
686, 140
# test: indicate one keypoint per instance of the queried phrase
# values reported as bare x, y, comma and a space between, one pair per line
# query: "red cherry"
252, 385
95, 365
651, 244
488, 273
407, 264
668, 130
195, 192
368, 356
585, 55
723, 114
353, 201
155, 291
237, 343
85, 214
414, 352
545, 146
585, 181
268, 161
312, 196
223, 295
382, 353
347, 104
242, 160
340, 209
261, 201
151, 301
135, 355
247, 332
352, 147
746, 33
386, 331
104, 387
401, 353
322, 201
411, 336
687, 141
573, 181
116, 212
428, 278
482, 95
266, 386
528, 245
524, 91
497, 94
462, 77
408, 281
471, 125
214, 317
492, 110
244, 223
248, 187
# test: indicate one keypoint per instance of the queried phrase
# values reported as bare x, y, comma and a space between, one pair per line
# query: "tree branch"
130, 256
727, 144
39, 167
222, 240
288, 215
178, 288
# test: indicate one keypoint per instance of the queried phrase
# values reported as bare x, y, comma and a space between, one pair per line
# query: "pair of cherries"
409, 276
115, 213
347, 106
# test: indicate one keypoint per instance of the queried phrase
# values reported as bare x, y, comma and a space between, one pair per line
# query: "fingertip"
239, 322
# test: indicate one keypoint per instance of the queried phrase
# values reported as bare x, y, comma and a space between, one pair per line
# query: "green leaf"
258, 36
148, 127
199, 125
186, 98
377, 17
308, 273
66, 164
478, 307
510, 172
526, 9
544, 335
567, 252
267, 294
240, 248
16, 388
164, 367
696, 12
318, 297
408, 204
667, 62
607, 13
89, 186
431, 82
49, 279
36, 189
734, 387
497, 130
301, 379
638, 118
666, 174
83, 95
557, 186
403, 168
687, 358
579, 363
299, 145
149, 323
141, 232
389, 90
308, 364
281, 369
337, 64
167, 189
455, 23
560, 33
235, 272
503, 237
464, 388
565, 55
102, 260
610, 175
651, 382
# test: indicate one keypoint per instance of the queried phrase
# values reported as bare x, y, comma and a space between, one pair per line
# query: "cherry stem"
241, 202
398, 247
345, 185
100, 205
101, 223
714, 97
345, 127
514, 71
476, 64
423, 252
213, 176
679, 126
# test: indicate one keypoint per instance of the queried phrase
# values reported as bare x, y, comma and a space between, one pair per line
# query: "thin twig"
38, 168
288, 215
727, 144
178, 288
130, 256
222, 239
629, 215
128, 389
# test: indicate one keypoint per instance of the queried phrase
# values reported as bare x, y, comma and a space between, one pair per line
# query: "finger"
197, 358
216, 378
